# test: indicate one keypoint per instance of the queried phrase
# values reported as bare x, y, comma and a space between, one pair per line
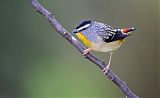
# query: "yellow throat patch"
83, 38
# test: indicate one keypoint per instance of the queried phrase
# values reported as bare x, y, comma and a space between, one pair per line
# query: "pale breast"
106, 47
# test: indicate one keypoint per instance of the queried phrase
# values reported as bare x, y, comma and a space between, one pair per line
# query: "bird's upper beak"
128, 30
74, 31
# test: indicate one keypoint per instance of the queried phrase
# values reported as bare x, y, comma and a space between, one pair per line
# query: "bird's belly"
106, 47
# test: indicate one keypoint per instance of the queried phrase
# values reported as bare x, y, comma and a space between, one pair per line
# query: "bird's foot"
105, 70
86, 51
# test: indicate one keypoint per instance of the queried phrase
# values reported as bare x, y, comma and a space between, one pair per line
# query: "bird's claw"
105, 70
86, 51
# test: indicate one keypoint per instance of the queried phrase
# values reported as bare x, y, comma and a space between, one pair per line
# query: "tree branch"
63, 32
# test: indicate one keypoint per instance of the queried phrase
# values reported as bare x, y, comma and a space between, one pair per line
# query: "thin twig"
63, 32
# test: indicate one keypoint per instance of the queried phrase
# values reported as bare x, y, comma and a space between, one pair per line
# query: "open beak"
128, 30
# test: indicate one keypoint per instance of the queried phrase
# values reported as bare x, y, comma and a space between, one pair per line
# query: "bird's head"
82, 25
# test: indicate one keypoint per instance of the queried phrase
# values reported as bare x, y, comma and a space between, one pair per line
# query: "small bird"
101, 37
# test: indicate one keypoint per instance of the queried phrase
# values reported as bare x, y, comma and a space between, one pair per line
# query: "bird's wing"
106, 34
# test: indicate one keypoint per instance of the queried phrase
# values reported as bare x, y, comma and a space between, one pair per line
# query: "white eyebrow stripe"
85, 26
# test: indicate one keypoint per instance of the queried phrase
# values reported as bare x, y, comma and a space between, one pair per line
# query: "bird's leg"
86, 51
105, 70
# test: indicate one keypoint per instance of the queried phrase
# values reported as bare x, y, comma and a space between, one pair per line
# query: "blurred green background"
35, 62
